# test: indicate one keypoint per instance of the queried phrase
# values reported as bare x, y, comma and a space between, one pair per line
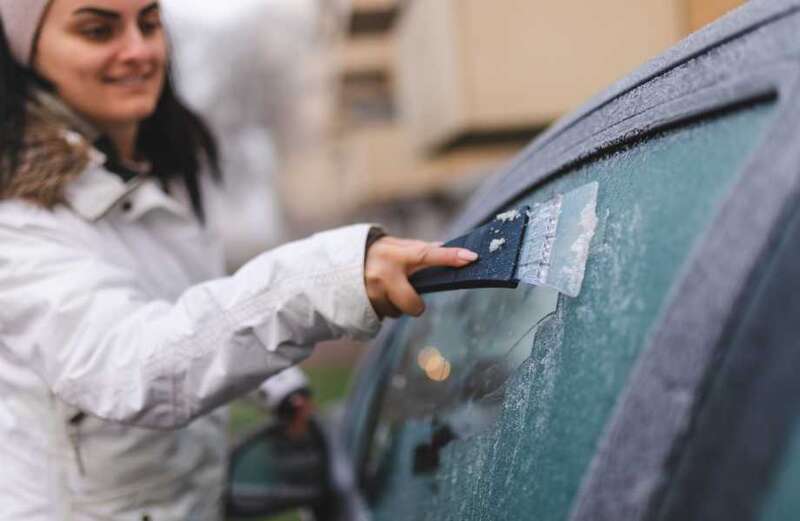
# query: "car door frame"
700, 77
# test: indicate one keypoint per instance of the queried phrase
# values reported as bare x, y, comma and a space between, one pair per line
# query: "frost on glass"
499, 397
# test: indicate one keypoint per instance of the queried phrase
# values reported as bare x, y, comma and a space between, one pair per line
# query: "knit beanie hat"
21, 20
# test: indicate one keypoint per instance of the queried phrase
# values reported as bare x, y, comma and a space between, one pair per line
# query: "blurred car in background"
666, 390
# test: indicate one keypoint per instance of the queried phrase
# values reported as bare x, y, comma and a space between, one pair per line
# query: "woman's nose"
135, 46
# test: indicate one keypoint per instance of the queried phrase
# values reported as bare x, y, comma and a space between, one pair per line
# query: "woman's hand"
390, 261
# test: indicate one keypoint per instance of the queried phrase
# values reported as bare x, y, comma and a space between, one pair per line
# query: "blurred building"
393, 111
430, 96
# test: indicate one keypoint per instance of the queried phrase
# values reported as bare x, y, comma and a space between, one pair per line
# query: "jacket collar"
96, 191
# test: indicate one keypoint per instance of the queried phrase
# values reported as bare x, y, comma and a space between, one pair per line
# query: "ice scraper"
546, 244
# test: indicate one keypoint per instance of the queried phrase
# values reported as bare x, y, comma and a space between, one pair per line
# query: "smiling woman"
108, 61
108, 64
120, 333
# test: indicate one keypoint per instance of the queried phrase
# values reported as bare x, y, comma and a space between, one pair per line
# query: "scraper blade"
543, 245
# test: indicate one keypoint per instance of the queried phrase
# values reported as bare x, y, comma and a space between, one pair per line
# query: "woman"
119, 336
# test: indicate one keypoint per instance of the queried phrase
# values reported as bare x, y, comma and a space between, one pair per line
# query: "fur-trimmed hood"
56, 149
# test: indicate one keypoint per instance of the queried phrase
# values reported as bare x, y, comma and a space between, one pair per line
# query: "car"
668, 388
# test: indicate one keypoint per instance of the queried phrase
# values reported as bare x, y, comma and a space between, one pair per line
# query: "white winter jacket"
120, 338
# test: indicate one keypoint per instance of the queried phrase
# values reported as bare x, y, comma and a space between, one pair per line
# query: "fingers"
395, 300
378, 272
384, 307
389, 263
421, 254
429, 255
405, 298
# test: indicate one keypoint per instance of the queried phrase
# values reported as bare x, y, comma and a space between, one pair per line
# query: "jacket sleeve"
103, 345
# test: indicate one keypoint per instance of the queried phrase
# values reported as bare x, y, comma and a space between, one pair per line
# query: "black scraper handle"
493, 269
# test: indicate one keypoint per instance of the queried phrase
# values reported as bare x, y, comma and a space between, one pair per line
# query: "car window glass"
499, 397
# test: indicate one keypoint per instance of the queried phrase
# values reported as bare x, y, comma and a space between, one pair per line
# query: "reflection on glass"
456, 375
435, 366
450, 379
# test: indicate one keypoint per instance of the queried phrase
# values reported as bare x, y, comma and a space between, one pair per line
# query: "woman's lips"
133, 80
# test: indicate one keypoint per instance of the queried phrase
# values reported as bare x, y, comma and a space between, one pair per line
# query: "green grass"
328, 384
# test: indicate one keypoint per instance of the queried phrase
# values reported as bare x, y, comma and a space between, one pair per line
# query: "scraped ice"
510, 215
574, 271
496, 244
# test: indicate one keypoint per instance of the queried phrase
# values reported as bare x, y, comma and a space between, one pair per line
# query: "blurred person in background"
120, 336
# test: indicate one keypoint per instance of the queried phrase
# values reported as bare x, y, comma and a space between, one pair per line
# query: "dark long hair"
173, 139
